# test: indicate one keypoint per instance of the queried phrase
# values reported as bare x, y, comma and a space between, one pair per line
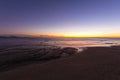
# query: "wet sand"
95, 63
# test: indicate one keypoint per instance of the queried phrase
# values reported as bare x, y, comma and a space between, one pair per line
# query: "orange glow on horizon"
78, 35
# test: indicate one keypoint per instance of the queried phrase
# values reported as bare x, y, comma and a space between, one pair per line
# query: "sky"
67, 18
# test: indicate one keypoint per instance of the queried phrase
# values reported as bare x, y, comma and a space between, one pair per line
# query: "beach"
59, 39
94, 63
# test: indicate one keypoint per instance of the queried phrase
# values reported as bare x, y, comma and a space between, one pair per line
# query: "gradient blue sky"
60, 17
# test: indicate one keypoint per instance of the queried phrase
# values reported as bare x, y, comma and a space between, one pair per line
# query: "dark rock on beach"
17, 55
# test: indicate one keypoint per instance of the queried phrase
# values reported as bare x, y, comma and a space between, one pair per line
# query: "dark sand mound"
101, 63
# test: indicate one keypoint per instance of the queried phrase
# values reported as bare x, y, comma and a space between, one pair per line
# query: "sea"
59, 42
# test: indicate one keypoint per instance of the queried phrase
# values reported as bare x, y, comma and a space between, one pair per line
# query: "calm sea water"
64, 42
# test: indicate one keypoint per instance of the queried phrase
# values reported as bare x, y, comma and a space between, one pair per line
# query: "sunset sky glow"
60, 18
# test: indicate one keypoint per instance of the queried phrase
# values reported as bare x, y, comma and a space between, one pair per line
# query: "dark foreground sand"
99, 63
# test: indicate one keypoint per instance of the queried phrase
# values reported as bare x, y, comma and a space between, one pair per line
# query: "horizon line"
53, 36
